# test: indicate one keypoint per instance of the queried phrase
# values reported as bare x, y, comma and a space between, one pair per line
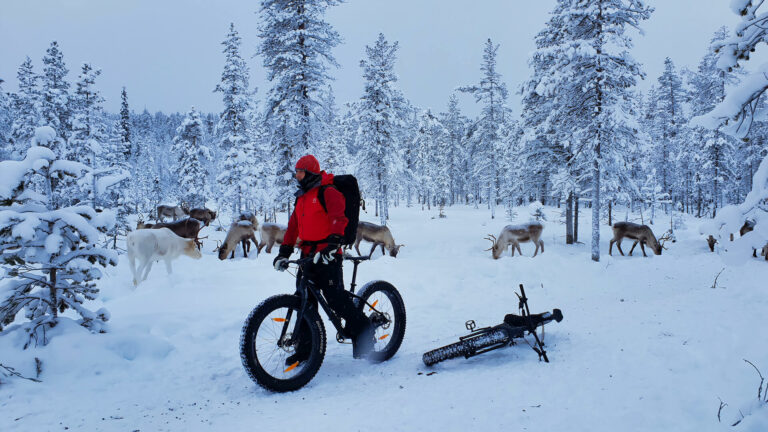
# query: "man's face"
300, 174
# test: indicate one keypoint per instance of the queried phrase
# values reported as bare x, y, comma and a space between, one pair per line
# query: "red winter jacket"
310, 221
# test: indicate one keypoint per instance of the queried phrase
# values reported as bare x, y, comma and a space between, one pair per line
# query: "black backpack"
347, 185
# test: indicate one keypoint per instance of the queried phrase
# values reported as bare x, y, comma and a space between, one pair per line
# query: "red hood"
326, 178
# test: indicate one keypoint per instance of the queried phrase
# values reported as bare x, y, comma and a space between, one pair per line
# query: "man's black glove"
280, 262
328, 253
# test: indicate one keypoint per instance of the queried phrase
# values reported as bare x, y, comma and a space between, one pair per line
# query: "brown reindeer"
174, 212
204, 215
188, 228
378, 235
639, 233
239, 232
514, 235
270, 234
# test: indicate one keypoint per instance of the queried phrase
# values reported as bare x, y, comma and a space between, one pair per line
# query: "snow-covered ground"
647, 344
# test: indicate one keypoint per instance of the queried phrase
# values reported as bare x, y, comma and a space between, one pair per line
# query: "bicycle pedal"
470, 325
340, 339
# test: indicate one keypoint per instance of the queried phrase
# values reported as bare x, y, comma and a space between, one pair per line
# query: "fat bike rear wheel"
265, 344
382, 304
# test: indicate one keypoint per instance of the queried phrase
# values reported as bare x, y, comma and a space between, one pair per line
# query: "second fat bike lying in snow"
491, 338
271, 332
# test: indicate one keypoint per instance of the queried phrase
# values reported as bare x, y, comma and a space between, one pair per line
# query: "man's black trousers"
329, 279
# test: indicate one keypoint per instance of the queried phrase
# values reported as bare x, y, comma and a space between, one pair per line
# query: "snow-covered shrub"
731, 219
48, 255
536, 210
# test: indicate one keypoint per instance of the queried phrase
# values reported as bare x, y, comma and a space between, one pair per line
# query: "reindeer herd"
149, 248
242, 231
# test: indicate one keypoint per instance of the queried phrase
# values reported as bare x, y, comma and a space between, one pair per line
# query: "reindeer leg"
382, 249
132, 263
269, 246
147, 268
642, 246
517, 245
541, 242
610, 246
246, 245
357, 246
513, 248
168, 267
633, 246
618, 246
537, 250
372, 249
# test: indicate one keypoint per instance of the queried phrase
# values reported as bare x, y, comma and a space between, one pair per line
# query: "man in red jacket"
321, 232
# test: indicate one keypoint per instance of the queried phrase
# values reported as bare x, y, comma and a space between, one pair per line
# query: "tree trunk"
569, 219
575, 219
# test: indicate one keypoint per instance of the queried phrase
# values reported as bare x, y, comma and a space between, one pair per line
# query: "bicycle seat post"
354, 275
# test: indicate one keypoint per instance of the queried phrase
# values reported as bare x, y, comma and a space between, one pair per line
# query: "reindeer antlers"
492, 239
667, 236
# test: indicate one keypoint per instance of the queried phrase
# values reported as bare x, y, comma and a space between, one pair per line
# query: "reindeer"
188, 228
148, 246
514, 235
174, 212
640, 234
239, 232
204, 215
270, 234
378, 235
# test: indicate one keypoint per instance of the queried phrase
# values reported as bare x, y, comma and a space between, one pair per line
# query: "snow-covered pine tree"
491, 92
331, 151
591, 84
432, 168
716, 150
26, 114
55, 109
240, 155
5, 124
192, 156
456, 125
124, 128
666, 124
379, 119
49, 255
296, 50
88, 142
547, 151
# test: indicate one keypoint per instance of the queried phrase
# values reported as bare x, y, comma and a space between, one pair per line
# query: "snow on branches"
49, 256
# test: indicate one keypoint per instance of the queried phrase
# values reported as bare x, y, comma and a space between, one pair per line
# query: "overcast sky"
168, 52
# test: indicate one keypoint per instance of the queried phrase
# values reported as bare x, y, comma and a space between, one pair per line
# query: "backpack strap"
321, 195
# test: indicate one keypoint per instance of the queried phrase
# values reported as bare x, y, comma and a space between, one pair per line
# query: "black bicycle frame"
306, 287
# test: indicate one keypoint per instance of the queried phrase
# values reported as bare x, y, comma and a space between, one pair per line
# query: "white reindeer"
150, 245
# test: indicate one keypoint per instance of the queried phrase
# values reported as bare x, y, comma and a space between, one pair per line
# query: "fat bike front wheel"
267, 346
382, 304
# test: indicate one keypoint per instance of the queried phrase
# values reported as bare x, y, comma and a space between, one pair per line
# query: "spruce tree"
5, 124
55, 104
240, 155
50, 254
88, 142
26, 114
380, 118
296, 50
491, 92
591, 84
192, 157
